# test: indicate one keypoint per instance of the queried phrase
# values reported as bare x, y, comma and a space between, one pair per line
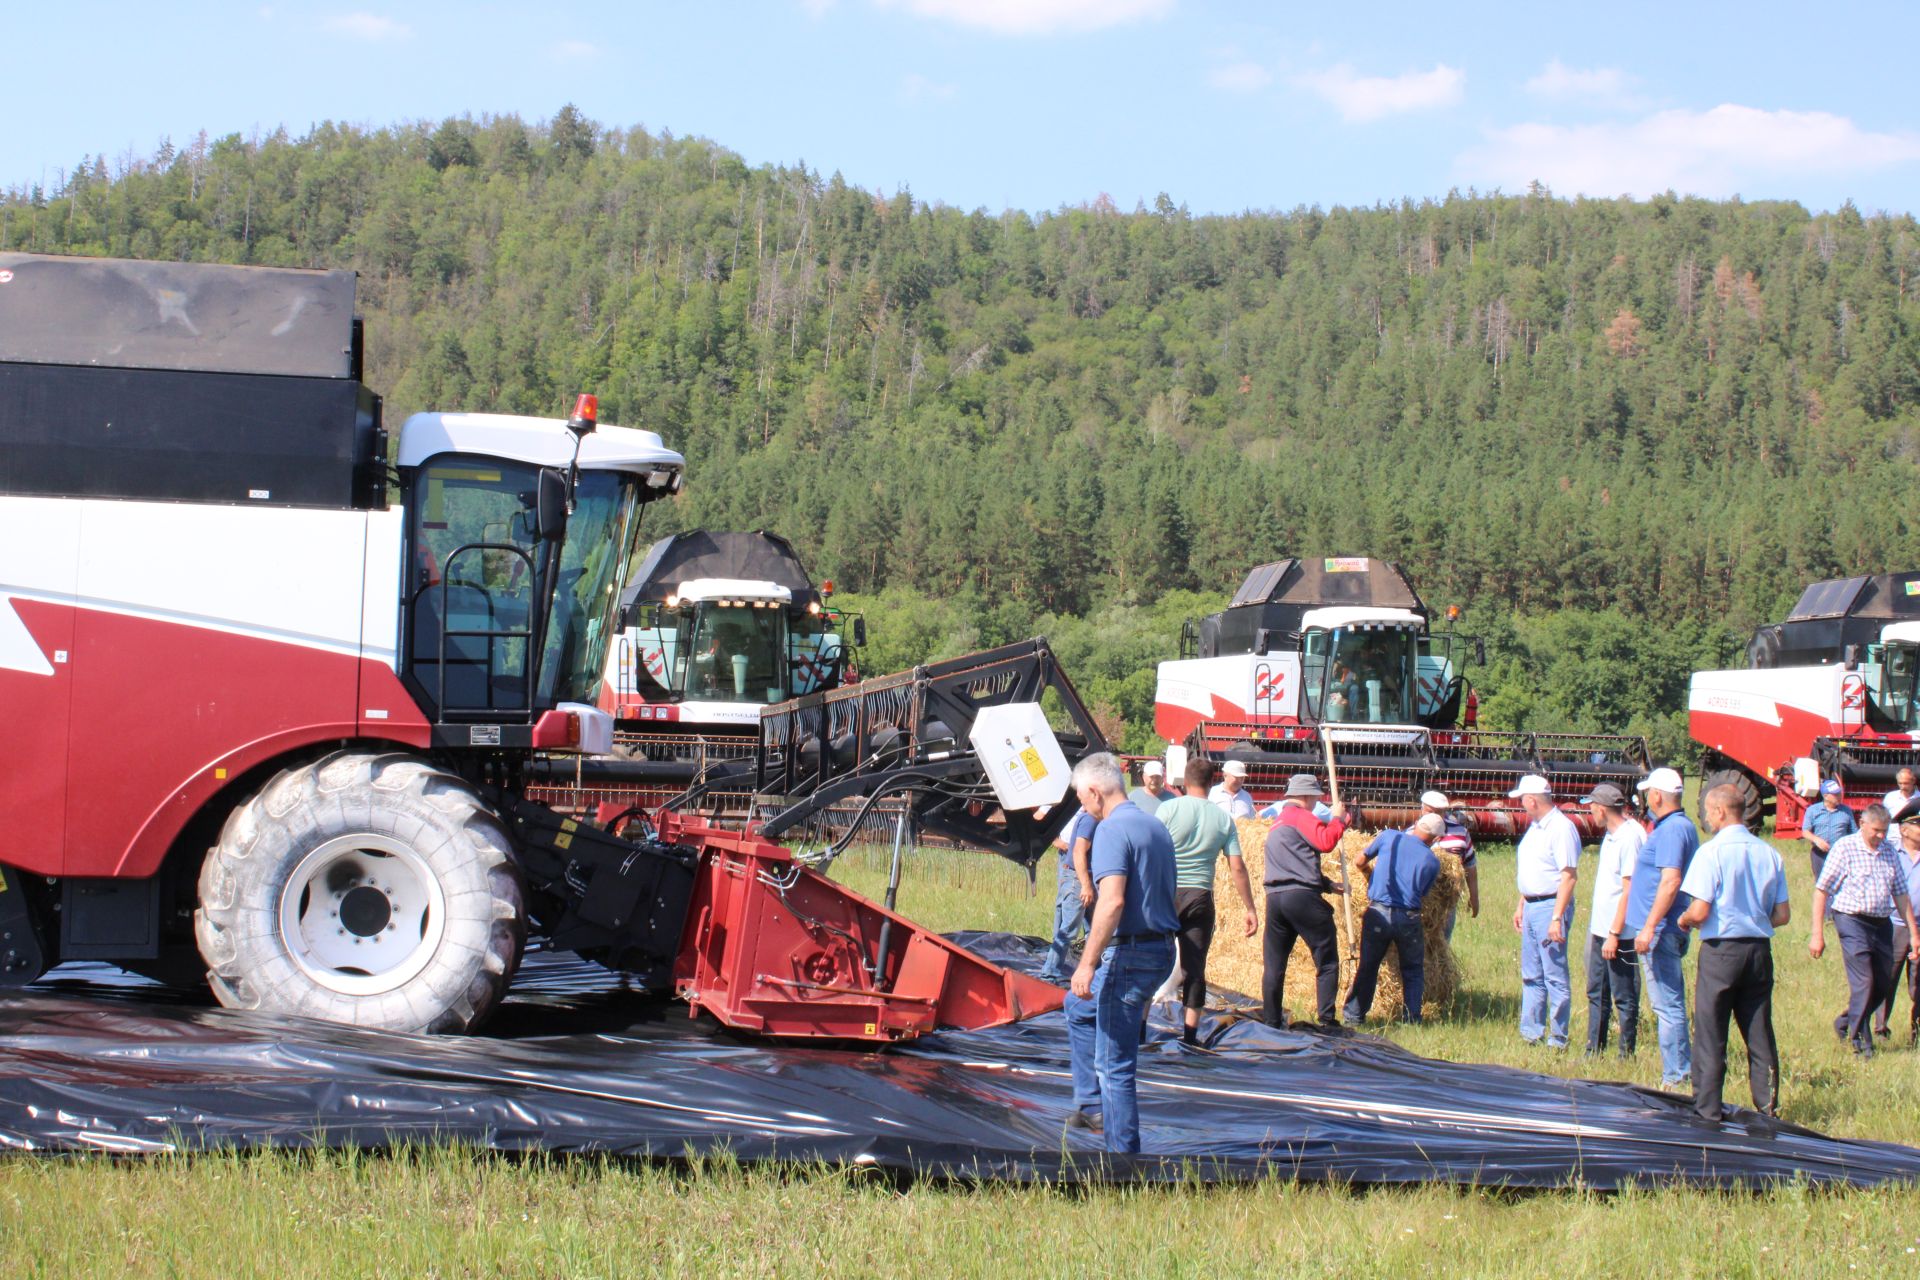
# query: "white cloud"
370, 27
1240, 77
1726, 151
1034, 17
1607, 86
915, 87
575, 51
1361, 98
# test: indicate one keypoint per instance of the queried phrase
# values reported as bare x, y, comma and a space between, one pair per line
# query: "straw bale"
1235, 961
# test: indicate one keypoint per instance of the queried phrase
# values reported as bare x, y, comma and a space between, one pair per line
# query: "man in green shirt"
1201, 832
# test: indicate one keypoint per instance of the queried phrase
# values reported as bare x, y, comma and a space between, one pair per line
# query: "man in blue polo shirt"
1652, 915
1129, 952
1400, 867
1738, 892
1827, 823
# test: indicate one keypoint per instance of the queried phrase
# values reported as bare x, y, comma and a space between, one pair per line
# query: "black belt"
1292, 884
1129, 939
1538, 897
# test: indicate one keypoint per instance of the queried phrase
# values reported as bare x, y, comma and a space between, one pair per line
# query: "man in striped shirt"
1866, 886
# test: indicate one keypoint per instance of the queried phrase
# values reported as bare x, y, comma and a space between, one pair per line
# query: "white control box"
1017, 748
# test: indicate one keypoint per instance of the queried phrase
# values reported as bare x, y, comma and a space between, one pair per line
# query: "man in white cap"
1457, 842
1546, 864
1737, 891
1231, 793
1152, 791
1653, 903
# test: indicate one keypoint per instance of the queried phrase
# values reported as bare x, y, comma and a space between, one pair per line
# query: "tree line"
1618, 433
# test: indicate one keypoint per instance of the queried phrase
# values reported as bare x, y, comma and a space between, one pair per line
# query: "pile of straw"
1235, 962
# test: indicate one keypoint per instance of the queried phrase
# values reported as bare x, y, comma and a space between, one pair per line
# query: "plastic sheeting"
575, 1062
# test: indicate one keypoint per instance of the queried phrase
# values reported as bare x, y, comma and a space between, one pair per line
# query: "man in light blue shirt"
1739, 893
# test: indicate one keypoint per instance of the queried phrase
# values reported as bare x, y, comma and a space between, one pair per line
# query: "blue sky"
1034, 104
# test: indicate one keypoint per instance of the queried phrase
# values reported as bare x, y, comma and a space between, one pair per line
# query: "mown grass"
456, 1212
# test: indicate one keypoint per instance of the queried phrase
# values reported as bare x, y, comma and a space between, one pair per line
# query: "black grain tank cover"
184, 382
176, 315
756, 557
1276, 596
1833, 614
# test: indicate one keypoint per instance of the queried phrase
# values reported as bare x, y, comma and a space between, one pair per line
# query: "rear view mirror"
1850, 655
859, 633
1262, 642
551, 513
1479, 652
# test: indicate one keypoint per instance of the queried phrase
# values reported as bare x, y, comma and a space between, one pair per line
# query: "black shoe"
1882, 1031
1088, 1120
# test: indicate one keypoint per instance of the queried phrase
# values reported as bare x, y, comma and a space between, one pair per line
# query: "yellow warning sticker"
564, 840
1036, 767
3, 882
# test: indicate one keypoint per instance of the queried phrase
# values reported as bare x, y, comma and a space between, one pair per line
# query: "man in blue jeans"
1073, 894
1129, 952
1400, 867
1546, 865
1653, 907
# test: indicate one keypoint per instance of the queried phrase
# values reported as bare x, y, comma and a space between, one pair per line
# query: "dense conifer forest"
1618, 433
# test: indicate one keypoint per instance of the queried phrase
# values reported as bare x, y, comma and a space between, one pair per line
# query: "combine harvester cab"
715, 626
1827, 694
1338, 650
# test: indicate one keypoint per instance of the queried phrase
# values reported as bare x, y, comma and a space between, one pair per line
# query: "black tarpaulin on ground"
574, 1062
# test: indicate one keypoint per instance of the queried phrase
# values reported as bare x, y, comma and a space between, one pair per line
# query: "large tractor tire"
375, 890
1749, 794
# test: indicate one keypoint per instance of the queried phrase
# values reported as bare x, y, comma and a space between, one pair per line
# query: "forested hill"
1675, 408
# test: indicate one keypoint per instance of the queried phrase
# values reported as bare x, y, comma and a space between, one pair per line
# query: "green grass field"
456, 1213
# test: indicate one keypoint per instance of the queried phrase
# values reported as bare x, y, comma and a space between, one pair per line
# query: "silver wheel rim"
362, 914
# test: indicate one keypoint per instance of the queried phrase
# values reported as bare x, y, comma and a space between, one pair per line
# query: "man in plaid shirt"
1865, 884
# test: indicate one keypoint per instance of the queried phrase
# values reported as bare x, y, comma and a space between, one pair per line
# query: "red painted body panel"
149, 719
33, 743
1174, 722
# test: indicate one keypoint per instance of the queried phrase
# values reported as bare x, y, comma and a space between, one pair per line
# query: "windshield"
728, 652
1363, 674
593, 564
1889, 674
473, 609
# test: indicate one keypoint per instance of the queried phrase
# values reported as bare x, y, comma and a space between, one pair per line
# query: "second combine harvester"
1340, 650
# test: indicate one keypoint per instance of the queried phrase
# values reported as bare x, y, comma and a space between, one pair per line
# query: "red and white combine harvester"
1337, 651
714, 627
273, 704
1829, 693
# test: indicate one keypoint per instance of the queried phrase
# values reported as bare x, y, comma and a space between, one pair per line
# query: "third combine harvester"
1339, 650
1829, 693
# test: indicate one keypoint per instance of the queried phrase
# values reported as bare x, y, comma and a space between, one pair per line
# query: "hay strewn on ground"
1235, 963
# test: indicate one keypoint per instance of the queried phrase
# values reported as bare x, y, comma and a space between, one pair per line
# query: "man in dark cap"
1613, 979
1296, 905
